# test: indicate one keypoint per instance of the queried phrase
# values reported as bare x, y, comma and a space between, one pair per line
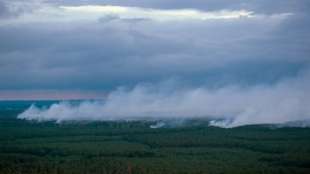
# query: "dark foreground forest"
132, 147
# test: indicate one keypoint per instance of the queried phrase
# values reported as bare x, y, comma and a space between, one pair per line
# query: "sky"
71, 49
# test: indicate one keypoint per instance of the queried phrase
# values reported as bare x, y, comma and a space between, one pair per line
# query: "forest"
134, 148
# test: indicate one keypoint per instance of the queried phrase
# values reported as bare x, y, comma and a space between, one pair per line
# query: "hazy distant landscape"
121, 147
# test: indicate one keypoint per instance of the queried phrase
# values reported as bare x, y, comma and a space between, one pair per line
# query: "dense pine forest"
133, 147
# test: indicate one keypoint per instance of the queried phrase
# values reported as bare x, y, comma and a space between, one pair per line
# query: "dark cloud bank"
170, 63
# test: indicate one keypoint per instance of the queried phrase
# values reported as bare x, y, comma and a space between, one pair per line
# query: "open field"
133, 147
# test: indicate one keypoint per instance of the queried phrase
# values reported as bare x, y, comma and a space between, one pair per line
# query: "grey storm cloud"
47, 46
3, 9
14, 8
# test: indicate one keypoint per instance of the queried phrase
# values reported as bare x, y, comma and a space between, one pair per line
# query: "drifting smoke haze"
228, 106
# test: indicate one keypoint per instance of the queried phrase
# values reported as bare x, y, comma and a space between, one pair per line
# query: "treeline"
134, 148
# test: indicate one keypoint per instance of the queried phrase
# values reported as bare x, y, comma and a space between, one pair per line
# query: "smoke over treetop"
283, 102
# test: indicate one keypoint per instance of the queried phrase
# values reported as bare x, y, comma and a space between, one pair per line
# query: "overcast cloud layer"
85, 45
98, 46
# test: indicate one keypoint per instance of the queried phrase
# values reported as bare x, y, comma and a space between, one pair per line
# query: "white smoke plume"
230, 106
